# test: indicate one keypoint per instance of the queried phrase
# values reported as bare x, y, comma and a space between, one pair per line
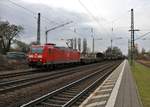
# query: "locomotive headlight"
39, 56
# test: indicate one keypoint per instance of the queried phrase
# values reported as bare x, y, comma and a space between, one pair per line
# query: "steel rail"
51, 94
91, 86
25, 72
11, 85
30, 71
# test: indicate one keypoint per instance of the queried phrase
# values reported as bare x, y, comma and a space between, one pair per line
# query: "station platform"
118, 90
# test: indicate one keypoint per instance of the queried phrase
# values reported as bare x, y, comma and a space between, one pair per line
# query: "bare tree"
7, 33
33, 43
115, 51
21, 46
143, 51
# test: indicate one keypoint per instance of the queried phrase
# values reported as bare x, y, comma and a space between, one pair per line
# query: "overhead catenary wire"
91, 14
114, 20
32, 12
142, 36
18, 5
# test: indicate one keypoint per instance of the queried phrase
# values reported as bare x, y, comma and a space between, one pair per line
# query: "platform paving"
128, 94
118, 90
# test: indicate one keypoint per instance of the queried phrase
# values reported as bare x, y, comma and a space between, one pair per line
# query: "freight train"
51, 55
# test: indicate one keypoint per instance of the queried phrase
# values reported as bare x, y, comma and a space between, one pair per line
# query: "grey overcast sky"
101, 15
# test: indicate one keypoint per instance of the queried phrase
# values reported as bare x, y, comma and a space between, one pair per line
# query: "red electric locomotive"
49, 54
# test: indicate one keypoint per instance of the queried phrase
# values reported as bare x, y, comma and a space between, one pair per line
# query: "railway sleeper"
73, 89
53, 101
81, 100
60, 98
71, 92
75, 106
68, 93
45, 104
66, 96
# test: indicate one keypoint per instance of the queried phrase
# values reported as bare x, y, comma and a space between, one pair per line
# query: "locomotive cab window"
37, 50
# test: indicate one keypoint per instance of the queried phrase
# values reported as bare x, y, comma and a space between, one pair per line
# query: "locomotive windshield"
37, 50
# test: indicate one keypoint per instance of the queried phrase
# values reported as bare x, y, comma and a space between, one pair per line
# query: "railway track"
10, 75
73, 93
29, 72
20, 83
